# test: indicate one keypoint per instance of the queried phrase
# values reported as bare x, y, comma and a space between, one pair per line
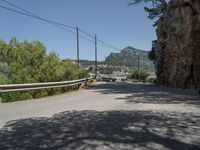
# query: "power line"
109, 45
55, 24
30, 14
87, 39
11, 4
90, 40
98, 41
60, 25
37, 17
88, 34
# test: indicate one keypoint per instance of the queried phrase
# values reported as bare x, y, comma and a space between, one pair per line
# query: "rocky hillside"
178, 45
129, 57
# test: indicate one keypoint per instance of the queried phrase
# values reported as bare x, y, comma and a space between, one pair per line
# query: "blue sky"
112, 20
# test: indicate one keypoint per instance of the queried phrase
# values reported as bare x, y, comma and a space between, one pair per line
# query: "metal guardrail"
38, 86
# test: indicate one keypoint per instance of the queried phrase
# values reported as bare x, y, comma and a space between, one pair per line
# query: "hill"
129, 57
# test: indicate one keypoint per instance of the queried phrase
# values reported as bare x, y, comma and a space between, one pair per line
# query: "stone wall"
178, 45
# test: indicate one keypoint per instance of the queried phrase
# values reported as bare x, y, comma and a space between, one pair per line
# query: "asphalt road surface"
105, 116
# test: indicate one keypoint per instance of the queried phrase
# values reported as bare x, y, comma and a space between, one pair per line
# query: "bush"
143, 74
152, 54
28, 62
151, 79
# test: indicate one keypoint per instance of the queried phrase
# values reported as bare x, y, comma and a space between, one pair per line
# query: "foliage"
143, 74
159, 7
28, 62
152, 54
151, 79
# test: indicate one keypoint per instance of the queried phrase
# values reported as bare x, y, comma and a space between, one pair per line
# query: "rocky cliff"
178, 45
129, 57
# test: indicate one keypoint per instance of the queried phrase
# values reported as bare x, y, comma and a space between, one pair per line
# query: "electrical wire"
60, 25
36, 17
22, 9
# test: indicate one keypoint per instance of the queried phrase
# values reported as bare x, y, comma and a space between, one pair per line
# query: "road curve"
105, 116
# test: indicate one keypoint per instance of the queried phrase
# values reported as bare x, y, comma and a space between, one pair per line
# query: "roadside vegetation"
141, 75
29, 62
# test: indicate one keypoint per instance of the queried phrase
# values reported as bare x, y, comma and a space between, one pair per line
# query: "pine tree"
159, 7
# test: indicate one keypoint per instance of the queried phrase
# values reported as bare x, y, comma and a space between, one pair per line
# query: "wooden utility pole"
95, 56
138, 67
77, 32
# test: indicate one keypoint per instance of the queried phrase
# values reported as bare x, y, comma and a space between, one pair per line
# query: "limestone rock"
178, 45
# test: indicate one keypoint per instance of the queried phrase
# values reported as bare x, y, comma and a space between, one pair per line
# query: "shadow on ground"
104, 130
149, 93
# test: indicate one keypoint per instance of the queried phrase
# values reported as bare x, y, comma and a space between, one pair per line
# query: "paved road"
105, 116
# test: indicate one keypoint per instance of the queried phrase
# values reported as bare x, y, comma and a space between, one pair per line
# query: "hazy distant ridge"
129, 57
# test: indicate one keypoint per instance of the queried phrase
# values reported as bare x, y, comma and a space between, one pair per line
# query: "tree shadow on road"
148, 93
104, 130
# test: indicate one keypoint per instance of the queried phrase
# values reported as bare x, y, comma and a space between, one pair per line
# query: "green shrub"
28, 62
143, 74
151, 79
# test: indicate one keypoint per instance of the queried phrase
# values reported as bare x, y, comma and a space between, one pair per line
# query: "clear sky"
112, 20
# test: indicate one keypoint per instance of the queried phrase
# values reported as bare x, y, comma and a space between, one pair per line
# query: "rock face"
178, 45
129, 57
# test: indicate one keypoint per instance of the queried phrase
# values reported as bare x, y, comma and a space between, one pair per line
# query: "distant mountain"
129, 57
126, 57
